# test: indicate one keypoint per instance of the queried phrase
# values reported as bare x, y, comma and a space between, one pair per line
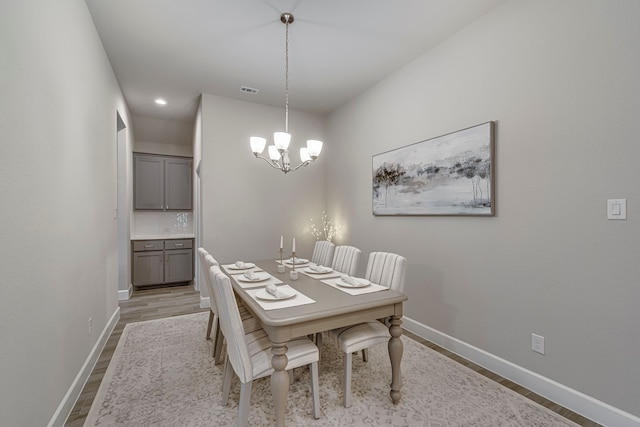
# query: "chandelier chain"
286, 78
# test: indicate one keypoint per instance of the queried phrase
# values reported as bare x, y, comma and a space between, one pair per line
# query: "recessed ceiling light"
161, 101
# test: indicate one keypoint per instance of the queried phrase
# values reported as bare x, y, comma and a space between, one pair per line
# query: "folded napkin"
251, 275
273, 290
320, 269
240, 264
351, 281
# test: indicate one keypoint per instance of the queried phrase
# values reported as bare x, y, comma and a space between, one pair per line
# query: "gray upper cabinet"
162, 182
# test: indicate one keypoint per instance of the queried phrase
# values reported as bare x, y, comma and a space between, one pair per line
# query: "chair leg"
226, 382
315, 390
365, 354
291, 378
215, 325
217, 348
347, 379
245, 403
208, 336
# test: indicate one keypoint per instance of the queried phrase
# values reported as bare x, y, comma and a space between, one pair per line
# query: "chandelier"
279, 151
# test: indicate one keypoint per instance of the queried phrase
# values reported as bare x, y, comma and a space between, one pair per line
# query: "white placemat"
261, 284
354, 291
299, 299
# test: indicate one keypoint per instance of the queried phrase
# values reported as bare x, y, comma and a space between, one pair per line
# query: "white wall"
163, 131
561, 81
246, 204
153, 147
58, 103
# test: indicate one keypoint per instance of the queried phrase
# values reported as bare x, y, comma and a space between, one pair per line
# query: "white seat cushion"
360, 336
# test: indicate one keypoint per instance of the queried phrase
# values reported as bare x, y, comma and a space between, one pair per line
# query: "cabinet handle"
148, 246
178, 244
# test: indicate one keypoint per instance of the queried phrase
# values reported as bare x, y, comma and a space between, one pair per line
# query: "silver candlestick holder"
281, 268
293, 274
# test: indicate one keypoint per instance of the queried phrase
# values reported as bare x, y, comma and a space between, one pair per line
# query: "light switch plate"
617, 209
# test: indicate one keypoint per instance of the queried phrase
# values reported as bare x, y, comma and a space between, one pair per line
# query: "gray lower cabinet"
157, 262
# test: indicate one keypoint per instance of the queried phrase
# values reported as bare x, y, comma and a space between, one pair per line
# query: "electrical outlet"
90, 325
537, 343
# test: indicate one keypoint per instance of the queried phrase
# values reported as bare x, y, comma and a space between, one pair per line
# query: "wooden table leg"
279, 381
395, 355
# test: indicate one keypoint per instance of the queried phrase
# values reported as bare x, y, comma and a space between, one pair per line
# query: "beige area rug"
162, 374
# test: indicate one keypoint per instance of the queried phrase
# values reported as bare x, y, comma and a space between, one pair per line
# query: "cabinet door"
178, 266
148, 191
177, 184
148, 268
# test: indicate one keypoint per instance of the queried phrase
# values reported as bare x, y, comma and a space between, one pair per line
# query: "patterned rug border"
369, 407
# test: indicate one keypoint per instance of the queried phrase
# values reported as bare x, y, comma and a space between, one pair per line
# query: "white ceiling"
178, 49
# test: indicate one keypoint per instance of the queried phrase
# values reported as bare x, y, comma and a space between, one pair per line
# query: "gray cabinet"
162, 182
157, 262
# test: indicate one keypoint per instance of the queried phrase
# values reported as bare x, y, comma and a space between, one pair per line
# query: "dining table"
318, 305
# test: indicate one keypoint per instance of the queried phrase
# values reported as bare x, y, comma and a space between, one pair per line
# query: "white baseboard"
125, 295
204, 302
69, 400
573, 400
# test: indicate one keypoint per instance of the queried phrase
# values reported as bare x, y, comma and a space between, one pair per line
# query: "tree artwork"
387, 175
447, 175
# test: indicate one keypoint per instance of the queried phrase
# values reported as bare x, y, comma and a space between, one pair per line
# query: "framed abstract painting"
452, 174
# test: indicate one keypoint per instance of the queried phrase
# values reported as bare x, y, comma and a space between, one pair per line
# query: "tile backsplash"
161, 223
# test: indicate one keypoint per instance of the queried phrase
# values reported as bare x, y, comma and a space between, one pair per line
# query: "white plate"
363, 283
264, 295
245, 266
259, 278
298, 261
312, 271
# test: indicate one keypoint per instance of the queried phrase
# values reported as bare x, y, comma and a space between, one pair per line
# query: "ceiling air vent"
248, 89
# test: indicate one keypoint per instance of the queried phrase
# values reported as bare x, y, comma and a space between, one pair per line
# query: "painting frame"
447, 175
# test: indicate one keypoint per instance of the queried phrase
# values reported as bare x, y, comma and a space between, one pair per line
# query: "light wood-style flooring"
160, 302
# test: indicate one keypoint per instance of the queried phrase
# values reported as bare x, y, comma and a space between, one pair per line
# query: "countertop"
162, 236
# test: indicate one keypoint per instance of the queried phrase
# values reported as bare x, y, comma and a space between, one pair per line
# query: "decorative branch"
326, 230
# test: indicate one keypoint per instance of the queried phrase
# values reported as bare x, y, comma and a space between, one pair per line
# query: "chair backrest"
204, 269
323, 253
202, 253
206, 262
387, 269
231, 325
345, 259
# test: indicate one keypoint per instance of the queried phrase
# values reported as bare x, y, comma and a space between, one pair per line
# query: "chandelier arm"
273, 163
302, 164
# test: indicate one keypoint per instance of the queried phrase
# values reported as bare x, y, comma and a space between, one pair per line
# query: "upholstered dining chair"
204, 268
247, 318
249, 353
323, 253
384, 269
345, 259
